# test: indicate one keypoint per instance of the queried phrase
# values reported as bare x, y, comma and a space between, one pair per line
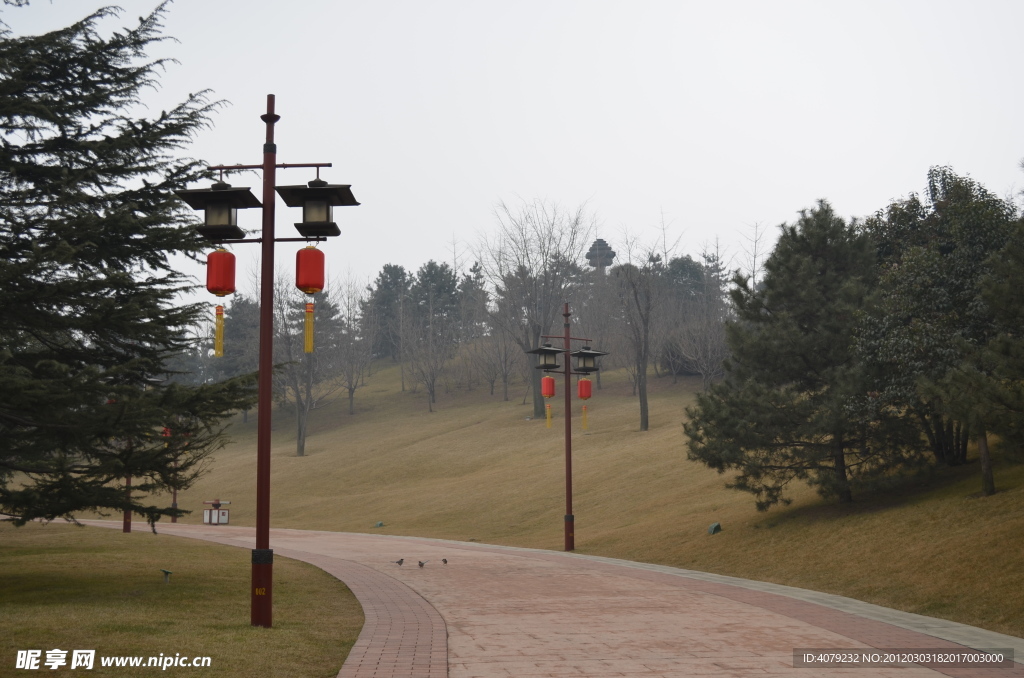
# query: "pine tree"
89, 311
929, 318
1003, 357
782, 412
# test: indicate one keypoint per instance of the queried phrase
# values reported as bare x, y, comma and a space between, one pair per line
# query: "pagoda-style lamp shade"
548, 357
318, 201
586, 359
220, 204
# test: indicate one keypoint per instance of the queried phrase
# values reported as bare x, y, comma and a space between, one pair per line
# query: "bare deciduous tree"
353, 343
701, 336
642, 289
498, 357
308, 380
532, 265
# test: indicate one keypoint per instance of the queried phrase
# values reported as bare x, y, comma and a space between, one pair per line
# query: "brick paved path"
499, 611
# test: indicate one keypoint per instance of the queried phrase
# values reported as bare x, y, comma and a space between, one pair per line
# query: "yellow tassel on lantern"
218, 333
548, 408
309, 328
584, 417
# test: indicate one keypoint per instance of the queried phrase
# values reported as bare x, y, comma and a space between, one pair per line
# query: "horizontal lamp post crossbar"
282, 166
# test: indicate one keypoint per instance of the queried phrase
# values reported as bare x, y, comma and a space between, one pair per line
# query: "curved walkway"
504, 611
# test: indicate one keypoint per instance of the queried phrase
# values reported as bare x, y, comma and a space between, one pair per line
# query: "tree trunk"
929, 433
302, 405
962, 438
641, 384
538, 401
988, 483
351, 401
842, 481
300, 436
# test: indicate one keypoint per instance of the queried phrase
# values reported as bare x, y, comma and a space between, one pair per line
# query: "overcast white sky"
718, 115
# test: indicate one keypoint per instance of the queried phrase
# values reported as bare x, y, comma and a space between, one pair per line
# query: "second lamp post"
586, 363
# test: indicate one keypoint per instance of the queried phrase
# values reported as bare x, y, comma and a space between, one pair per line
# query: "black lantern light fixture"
220, 204
586, 359
548, 357
318, 200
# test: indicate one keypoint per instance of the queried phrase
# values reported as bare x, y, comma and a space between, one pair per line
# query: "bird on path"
423, 562
399, 561
444, 560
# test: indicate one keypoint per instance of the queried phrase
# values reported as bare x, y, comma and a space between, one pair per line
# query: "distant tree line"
450, 329
473, 328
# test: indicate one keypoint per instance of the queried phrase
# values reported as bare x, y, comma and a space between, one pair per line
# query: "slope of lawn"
481, 469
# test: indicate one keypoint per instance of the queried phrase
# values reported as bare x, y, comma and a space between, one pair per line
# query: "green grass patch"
71, 588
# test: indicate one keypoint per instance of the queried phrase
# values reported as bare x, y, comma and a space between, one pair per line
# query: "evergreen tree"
241, 337
434, 326
985, 389
782, 412
385, 304
88, 294
928, 315
1003, 357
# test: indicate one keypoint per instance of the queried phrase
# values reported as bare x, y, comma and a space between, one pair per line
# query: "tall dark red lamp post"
586, 363
220, 205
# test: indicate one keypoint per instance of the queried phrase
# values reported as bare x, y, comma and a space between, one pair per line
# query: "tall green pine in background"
89, 310
781, 414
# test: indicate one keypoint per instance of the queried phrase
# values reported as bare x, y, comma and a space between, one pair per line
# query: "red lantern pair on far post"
583, 391
220, 280
584, 388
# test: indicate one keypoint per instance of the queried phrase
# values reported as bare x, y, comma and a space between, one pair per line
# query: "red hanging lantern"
547, 387
309, 270
220, 273
583, 389
309, 277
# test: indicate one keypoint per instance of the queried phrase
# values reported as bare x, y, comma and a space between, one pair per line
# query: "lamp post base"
262, 587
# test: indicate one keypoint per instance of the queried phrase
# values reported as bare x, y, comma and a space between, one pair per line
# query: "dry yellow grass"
477, 469
96, 589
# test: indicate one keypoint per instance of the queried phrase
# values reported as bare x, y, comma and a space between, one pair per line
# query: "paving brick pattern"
525, 613
402, 636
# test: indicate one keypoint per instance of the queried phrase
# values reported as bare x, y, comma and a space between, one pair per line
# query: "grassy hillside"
480, 469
